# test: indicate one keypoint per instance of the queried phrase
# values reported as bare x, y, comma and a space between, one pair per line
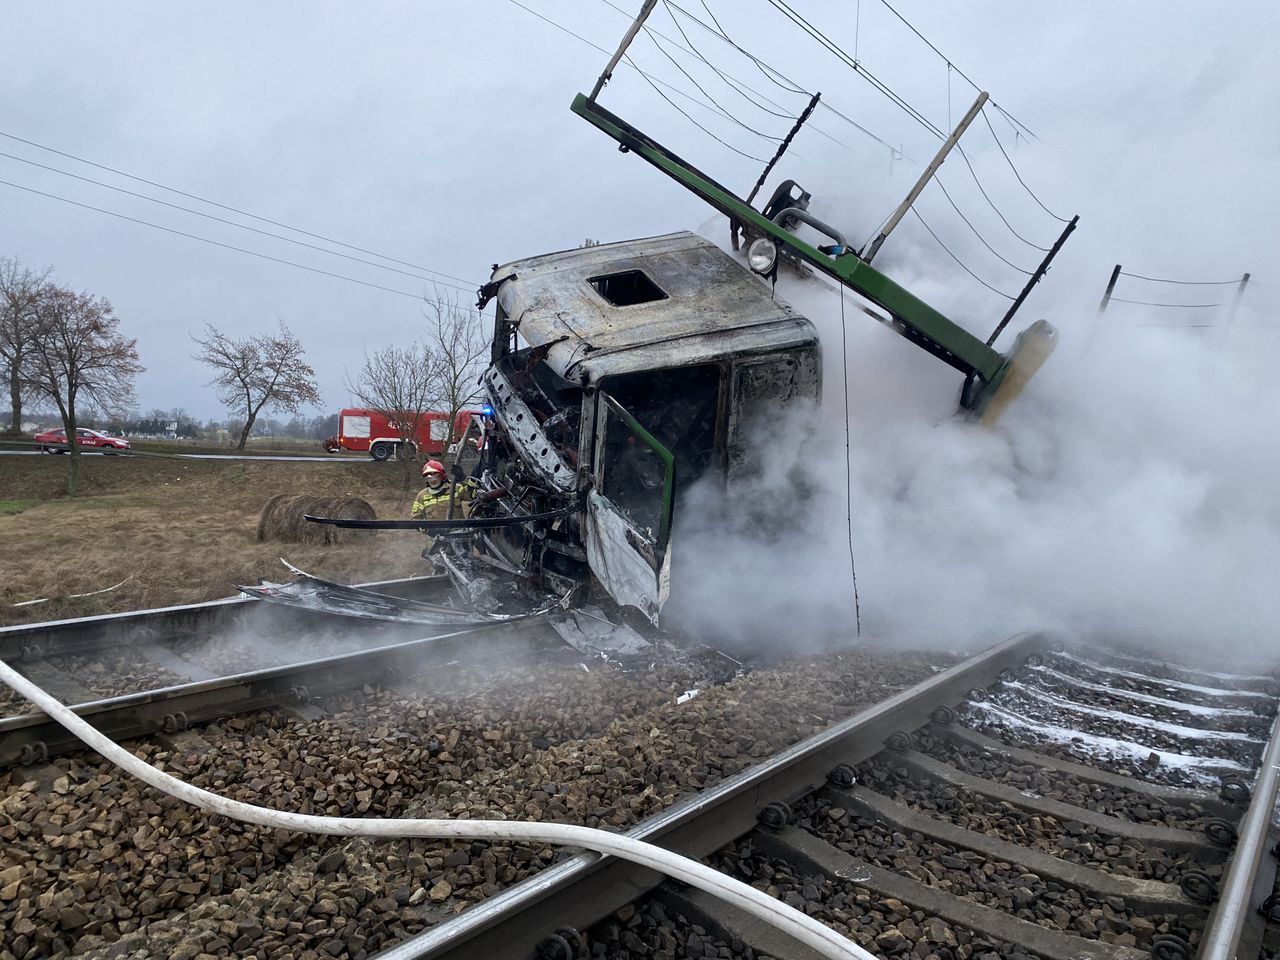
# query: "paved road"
209, 456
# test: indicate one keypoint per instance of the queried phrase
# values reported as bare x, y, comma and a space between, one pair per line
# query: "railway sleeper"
1151, 894
1186, 796
1167, 837
809, 853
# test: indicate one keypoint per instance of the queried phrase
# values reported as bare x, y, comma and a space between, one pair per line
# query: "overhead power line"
223, 206
225, 246
209, 216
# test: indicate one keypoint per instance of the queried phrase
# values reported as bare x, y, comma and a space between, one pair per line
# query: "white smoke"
1129, 494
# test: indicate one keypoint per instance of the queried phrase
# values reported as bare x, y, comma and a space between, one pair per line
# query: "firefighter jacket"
433, 504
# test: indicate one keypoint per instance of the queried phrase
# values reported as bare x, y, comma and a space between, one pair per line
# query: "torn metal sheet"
589, 631
313, 593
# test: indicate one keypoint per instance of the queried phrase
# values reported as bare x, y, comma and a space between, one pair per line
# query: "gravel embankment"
1032, 778
1070, 840
105, 867
1007, 887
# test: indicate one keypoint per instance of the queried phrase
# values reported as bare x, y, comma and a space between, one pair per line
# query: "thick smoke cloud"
1129, 495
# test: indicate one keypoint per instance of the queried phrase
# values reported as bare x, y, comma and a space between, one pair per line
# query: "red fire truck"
379, 434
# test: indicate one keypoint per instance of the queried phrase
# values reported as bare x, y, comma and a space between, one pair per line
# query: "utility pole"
1111, 285
925, 177
1235, 305
622, 47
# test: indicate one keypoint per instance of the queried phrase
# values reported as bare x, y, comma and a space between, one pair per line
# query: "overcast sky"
439, 135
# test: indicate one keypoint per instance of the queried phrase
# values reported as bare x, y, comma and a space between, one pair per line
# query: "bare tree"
266, 372
77, 358
402, 384
20, 291
456, 338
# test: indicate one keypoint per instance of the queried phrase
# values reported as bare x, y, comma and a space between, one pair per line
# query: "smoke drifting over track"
1129, 492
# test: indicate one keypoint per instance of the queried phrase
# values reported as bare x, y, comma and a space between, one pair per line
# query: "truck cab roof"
650, 304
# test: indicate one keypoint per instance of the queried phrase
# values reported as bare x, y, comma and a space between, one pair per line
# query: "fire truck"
379, 434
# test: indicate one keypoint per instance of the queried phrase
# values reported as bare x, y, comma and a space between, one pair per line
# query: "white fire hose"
805, 929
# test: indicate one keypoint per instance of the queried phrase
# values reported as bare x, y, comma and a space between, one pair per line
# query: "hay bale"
281, 520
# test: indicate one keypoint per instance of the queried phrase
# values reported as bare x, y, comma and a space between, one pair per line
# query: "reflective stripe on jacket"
428, 500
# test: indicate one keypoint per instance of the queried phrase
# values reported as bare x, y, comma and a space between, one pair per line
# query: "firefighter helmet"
433, 466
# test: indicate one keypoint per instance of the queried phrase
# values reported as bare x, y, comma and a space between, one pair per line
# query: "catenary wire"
981, 238
745, 126
776, 77
916, 213
983, 190
1009, 160
226, 246
1188, 283
674, 106
1182, 306
650, 80
223, 206
834, 48
794, 88
1005, 113
729, 81
209, 216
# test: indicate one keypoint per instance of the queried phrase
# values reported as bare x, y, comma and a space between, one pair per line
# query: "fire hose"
804, 929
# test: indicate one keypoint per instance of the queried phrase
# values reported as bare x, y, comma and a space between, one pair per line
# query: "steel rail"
1226, 926
33, 737
579, 891
30, 641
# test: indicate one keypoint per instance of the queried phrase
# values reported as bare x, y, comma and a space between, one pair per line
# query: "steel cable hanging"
916, 213
729, 81
1181, 306
1189, 283
857, 67
983, 190
794, 88
937, 180
676, 64
650, 80
724, 143
223, 206
781, 81
1014, 121
1009, 160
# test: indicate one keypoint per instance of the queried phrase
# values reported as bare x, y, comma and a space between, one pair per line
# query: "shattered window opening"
628, 288
679, 409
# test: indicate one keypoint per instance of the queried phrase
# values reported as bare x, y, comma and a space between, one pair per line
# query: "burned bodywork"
622, 375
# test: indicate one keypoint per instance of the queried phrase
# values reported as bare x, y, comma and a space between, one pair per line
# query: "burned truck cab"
623, 375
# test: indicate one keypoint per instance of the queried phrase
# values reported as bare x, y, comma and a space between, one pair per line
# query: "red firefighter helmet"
433, 466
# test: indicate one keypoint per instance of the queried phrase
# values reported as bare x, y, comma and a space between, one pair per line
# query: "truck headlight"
762, 255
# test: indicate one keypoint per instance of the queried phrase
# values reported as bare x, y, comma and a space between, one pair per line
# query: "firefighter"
432, 502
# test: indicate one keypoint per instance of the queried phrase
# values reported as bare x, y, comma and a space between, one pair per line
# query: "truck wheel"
380, 451
407, 451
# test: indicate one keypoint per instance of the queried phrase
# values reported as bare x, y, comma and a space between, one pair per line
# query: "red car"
55, 441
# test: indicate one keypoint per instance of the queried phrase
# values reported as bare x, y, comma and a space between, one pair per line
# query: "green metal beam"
910, 316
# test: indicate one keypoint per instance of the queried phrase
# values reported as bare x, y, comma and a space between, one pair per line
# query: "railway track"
1020, 803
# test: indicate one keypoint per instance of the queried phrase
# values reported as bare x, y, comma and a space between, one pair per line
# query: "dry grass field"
181, 531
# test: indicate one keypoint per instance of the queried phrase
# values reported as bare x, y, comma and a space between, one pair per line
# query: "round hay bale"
281, 520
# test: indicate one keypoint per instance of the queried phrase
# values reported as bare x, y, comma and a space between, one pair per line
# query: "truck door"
629, 511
